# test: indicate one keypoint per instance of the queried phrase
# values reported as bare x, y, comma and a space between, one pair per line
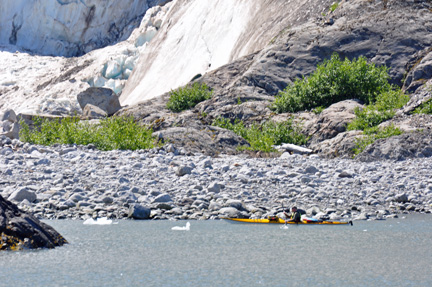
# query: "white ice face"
32, 83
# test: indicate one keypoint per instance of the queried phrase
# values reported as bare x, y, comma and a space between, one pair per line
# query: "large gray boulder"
138, 211
20, 230
22, 194
103, 98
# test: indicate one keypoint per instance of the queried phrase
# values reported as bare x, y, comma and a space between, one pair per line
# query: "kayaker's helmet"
293, 208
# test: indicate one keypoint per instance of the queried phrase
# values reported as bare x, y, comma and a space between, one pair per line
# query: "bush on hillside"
188, 97
334, 80
262, 137
425, 108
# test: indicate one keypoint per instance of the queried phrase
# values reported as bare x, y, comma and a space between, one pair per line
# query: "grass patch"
262, 137
373, 134
368, 118
425, 108
383, 109
334, 80
187, 97
333, 7
112, 133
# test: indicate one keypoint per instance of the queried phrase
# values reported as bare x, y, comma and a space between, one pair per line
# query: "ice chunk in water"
187, 227
98, 221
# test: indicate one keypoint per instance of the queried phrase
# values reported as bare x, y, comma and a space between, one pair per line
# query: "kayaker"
295, 215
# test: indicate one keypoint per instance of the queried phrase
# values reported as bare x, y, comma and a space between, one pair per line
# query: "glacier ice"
31, 83
67, 28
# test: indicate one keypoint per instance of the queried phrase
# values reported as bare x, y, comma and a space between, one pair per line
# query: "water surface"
394, 252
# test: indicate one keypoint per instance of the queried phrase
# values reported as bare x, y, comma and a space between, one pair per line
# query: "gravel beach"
77, 182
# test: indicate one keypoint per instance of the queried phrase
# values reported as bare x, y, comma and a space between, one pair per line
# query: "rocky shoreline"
79, 182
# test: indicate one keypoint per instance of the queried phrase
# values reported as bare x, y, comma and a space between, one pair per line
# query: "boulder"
214, 187
8, 115
182, 170
93, 112
22, 194
237, 204
19, 230
230, 212
165, 197
138, 211
401, 197
103, 98
9, 125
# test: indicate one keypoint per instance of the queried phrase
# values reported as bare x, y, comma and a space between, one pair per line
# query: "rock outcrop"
19, 230
392, 33
409, 145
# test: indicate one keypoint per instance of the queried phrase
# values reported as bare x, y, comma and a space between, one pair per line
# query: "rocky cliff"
392, 33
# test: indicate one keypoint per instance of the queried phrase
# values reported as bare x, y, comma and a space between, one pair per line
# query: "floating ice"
187, 227
98, 221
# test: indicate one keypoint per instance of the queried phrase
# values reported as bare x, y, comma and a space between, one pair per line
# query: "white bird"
187, 227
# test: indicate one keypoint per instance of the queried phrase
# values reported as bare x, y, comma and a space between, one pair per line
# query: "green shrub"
334, 80
111, 133
262, 137
334, 6
425, 108
373, 134
188, 97
383, 109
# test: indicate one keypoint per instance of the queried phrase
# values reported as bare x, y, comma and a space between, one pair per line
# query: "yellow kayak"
277, 220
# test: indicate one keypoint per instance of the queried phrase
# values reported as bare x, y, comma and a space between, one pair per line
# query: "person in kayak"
295, 215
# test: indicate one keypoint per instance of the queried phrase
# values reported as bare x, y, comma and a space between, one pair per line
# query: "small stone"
182, 170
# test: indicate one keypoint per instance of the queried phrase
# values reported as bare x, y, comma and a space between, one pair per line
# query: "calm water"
394, 252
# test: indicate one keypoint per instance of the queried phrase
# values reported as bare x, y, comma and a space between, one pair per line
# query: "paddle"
283, 210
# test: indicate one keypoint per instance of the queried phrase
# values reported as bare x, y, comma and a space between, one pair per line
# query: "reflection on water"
394, 252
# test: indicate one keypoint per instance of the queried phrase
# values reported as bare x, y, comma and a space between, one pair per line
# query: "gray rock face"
409, 145
103, 98
332, 121
244, 89
19, 230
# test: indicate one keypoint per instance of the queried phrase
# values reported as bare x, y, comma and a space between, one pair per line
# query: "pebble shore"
80, 182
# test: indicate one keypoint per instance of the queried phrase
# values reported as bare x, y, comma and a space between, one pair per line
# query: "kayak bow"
277, 220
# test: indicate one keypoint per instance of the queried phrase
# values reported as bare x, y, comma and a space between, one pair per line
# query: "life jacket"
293, 215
